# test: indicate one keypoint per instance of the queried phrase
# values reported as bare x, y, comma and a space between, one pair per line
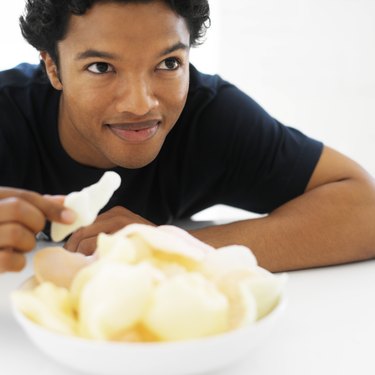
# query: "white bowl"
167, 358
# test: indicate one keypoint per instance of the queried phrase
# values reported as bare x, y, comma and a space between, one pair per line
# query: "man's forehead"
132, 17
158, 28
96, 53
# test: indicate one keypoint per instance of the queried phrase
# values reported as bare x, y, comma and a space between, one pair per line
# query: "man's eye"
170, 63
100, 68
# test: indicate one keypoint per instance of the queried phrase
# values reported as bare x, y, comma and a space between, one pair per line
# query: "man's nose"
135, 95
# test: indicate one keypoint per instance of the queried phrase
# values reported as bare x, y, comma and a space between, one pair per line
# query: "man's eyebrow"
174, 47
90, 53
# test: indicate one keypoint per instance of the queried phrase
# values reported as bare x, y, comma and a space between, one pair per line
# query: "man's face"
124, 76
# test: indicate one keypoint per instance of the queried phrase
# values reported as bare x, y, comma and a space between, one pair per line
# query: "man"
121, 95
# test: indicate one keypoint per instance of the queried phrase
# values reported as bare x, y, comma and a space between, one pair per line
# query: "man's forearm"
331, 224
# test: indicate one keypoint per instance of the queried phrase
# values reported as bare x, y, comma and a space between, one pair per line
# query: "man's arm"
333, 222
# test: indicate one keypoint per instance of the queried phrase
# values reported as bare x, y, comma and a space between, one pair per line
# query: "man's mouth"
135, 131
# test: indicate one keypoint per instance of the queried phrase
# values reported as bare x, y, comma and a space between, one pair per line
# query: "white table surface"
328, 328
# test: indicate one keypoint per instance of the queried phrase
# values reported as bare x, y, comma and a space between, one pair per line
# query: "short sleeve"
248, 159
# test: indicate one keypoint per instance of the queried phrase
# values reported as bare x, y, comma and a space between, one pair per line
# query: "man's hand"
22, 215
84, 239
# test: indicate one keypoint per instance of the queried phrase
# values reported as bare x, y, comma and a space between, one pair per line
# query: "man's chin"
136, 163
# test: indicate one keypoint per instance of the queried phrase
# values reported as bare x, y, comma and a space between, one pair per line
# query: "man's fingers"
16, 236
22, 214
52, 208
74, 243
85, 246
67, 216
55, 198
11, 260
77, 242
16, 210
84, 239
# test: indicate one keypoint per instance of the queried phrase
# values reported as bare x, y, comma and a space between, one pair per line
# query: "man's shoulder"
205, 82
217, 99
23, 75
27, 104
25, 92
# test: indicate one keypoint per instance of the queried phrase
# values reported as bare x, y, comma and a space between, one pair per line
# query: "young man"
122, 95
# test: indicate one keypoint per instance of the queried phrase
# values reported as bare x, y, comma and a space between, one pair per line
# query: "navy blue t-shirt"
224, 149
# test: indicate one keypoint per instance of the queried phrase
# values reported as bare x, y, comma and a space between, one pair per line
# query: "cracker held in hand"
86, 203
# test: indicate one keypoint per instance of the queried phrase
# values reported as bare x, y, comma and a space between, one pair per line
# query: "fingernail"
68, 216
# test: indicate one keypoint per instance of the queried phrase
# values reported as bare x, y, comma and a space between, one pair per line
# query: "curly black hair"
44, 22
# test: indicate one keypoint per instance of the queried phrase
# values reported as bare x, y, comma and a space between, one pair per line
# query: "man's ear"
52, 71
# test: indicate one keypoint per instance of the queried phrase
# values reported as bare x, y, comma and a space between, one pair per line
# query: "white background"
310, 63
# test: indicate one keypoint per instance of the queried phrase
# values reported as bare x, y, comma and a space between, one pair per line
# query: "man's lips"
135, 131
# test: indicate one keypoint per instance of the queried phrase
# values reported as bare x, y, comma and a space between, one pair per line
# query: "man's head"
122, 68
